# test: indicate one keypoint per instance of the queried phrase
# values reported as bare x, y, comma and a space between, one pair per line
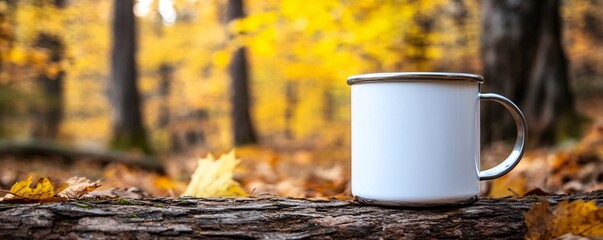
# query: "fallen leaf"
508, 185
61, 188
343, 197
214, 178
77, 187
577, 218
44, 191
536, 192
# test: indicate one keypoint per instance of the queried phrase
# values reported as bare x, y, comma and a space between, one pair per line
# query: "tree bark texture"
244, 132
128, 131
524, 60
267, 218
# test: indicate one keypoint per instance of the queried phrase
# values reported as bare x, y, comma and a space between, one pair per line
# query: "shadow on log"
266, 218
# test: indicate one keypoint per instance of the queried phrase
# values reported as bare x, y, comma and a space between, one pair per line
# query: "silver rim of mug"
414, 76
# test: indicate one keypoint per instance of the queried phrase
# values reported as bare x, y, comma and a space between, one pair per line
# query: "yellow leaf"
213, 178
577, 218
43, 189
508, 185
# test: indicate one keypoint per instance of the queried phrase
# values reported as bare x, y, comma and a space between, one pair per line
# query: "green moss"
83, 205
184, 202
123, 201
159, 205
131, 140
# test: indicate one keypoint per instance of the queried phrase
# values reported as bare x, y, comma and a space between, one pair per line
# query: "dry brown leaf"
61, 188
536, 192
577, 218
77, 187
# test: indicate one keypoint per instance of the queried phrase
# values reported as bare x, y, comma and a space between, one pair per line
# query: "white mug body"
415, 143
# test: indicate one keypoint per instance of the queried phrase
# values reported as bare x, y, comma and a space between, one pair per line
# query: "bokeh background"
268, 78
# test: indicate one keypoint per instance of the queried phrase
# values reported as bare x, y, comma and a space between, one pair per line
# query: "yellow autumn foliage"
578, 217
313, 46
214, 178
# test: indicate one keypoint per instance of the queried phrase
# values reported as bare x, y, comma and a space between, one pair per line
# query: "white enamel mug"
416, 138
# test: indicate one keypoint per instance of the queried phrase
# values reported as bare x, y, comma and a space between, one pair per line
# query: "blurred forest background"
163, 82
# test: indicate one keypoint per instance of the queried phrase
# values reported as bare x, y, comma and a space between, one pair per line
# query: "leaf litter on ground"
578, 218
45, 190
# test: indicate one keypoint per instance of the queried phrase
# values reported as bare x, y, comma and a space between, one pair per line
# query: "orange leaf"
577, 218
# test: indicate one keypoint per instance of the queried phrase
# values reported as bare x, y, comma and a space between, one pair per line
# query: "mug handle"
520, 121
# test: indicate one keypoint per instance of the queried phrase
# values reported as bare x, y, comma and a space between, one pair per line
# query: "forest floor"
575, 166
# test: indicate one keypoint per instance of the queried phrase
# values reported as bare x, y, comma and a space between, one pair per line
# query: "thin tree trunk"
50, 112
266, 218
244, 132
128, 131
166, 71
7, 39
291, 100
524, 60
329, 105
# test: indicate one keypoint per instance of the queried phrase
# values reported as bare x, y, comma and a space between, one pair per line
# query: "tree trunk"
244, 132
524, 60
50, 112
128, 131
266, 218
7, 38
166, 71
291, 100
7, 33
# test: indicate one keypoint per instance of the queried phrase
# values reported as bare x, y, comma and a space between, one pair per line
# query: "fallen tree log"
50, 149
266, 218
